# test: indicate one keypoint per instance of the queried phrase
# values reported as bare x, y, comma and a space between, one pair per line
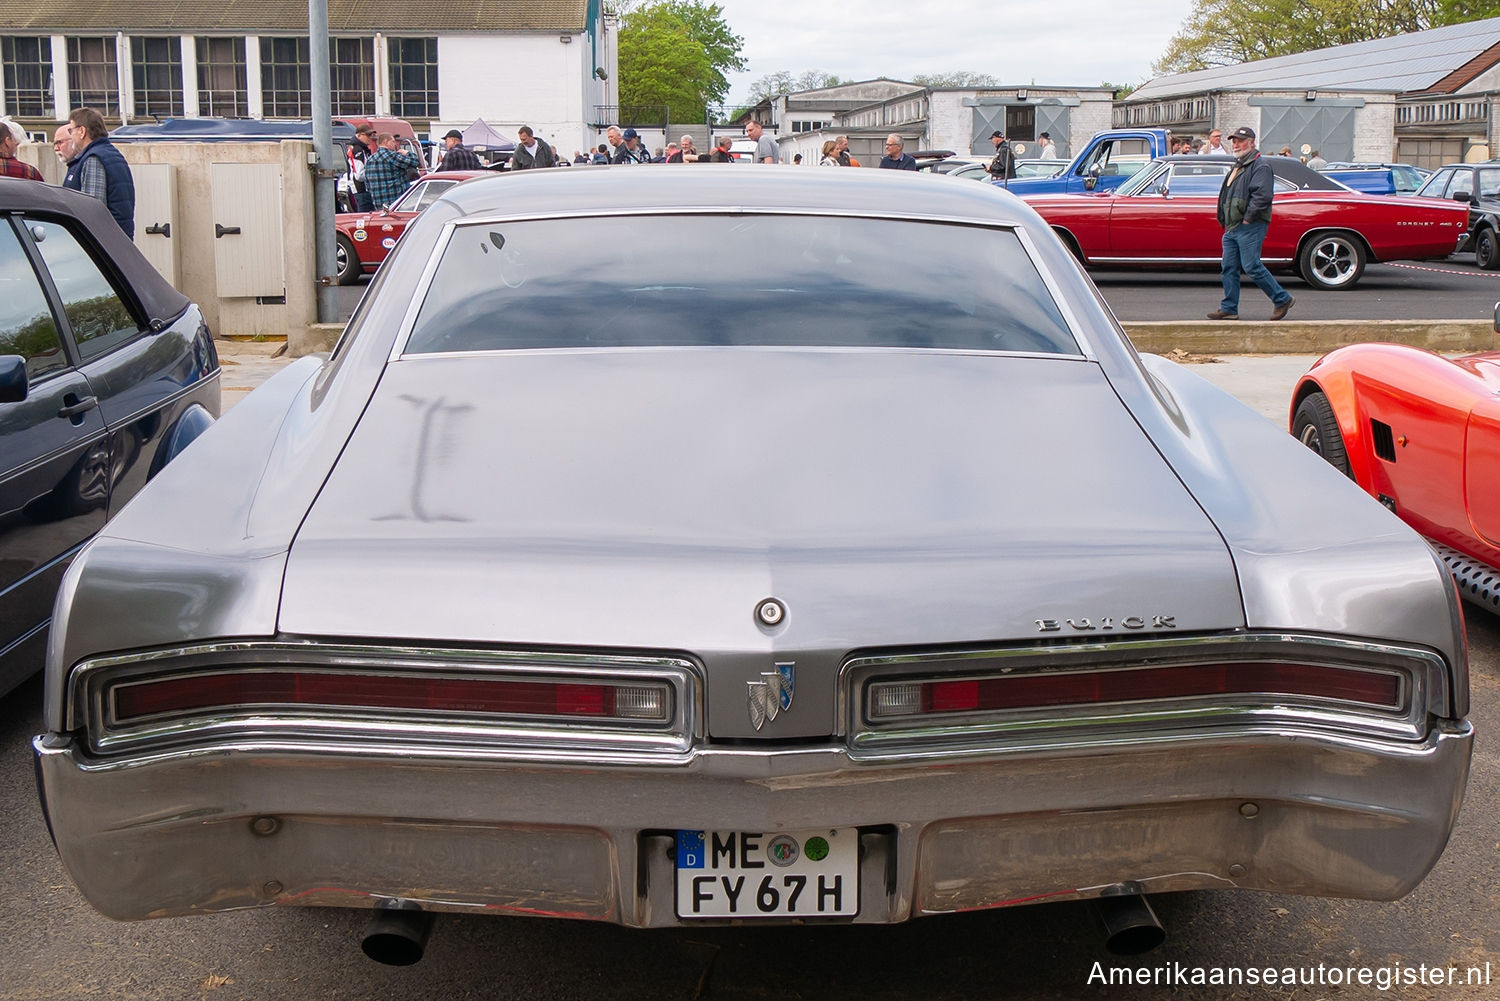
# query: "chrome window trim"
1423, 690
89, 709
409, 318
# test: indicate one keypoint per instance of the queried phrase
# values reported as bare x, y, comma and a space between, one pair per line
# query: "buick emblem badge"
771, 695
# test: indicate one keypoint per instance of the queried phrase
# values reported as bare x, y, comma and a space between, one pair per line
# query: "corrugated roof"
1413, 62
242, 16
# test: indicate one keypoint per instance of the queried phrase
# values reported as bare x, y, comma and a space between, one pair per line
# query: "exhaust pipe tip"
397, 937
1131, 927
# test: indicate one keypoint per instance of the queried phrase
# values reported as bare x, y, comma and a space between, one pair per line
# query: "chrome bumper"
240, 825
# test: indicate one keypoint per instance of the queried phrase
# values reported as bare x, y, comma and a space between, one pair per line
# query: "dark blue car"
106, 373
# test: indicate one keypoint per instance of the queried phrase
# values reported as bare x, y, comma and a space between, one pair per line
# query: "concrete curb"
1308, 337
1224, 337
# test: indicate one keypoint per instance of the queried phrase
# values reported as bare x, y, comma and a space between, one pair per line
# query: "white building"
547, 63
952, 118
1425, 97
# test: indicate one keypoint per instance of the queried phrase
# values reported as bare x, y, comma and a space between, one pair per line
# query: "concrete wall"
1375, 129
195, 236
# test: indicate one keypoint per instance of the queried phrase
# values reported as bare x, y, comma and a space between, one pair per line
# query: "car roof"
1287, 167
730, 188
159, 299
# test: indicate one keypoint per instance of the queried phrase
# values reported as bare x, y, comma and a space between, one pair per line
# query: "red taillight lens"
491, 696
892, 700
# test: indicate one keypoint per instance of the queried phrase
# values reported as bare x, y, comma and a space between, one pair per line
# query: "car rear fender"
1338, 386
191, 423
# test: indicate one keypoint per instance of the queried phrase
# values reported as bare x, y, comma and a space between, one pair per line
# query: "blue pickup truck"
1106, 162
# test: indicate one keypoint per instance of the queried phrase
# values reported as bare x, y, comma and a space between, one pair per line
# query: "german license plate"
752, 874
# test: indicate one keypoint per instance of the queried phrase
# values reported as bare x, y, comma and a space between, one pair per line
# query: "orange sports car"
1421, 434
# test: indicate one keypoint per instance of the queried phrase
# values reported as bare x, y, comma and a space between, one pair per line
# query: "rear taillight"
937, 697
522, 698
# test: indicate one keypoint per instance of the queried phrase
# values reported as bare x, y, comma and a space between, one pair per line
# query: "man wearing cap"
626, 146
1245, 214
531, 151
1049, 148
1003, 166
458, 156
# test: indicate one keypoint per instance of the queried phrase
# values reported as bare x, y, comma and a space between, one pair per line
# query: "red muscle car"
365, 238
1421, 434
1166, 216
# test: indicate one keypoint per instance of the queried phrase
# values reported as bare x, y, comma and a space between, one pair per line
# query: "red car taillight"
527, 698
939, 696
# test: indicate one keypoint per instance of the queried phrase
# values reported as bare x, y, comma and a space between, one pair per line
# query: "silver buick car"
726, 545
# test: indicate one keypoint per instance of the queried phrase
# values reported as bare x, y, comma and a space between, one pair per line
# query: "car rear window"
741, 280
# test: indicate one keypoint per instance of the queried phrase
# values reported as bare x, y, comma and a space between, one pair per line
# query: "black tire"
1332, 261
1486, 249
1315, 426
346, 264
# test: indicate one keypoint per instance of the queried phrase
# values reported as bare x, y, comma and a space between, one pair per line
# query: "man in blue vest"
98, 169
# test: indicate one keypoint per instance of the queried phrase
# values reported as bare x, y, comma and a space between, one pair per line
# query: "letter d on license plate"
753, 874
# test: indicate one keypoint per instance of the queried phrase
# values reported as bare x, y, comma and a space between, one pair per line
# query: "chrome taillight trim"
1421, 674
91, 684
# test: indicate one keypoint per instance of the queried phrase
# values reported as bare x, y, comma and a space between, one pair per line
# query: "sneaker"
1219, 314
1281, 310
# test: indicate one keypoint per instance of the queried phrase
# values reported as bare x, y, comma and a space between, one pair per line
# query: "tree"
787, 82
961, 78
1225, 32
675, 53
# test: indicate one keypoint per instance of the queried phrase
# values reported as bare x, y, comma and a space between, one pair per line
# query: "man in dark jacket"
1245, 214
99, 170
1003, 166
896, 157
531, 151
458, 156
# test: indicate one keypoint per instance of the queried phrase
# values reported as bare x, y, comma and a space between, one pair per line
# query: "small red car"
1166, 216
1421, 434
365, 238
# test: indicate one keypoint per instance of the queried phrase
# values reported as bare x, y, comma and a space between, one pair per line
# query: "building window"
93, 75
414, 78
286, 77
27, 63
222, 90
156, 72
351, 71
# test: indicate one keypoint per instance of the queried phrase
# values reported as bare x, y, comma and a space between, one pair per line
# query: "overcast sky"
1077, 43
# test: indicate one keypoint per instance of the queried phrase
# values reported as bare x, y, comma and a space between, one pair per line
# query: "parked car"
924, 596
1166, 216
106, 373
1420, 433
258, 130
1476, 186
365, 238
976, 168
1378, 178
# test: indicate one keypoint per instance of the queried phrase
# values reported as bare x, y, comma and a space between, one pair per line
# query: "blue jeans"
1242, 250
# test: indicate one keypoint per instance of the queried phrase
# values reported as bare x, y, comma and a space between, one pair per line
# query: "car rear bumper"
236, 826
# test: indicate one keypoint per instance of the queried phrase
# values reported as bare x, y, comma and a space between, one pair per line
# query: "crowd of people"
94, 166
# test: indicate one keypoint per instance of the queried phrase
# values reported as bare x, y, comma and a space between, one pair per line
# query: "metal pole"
325, 169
